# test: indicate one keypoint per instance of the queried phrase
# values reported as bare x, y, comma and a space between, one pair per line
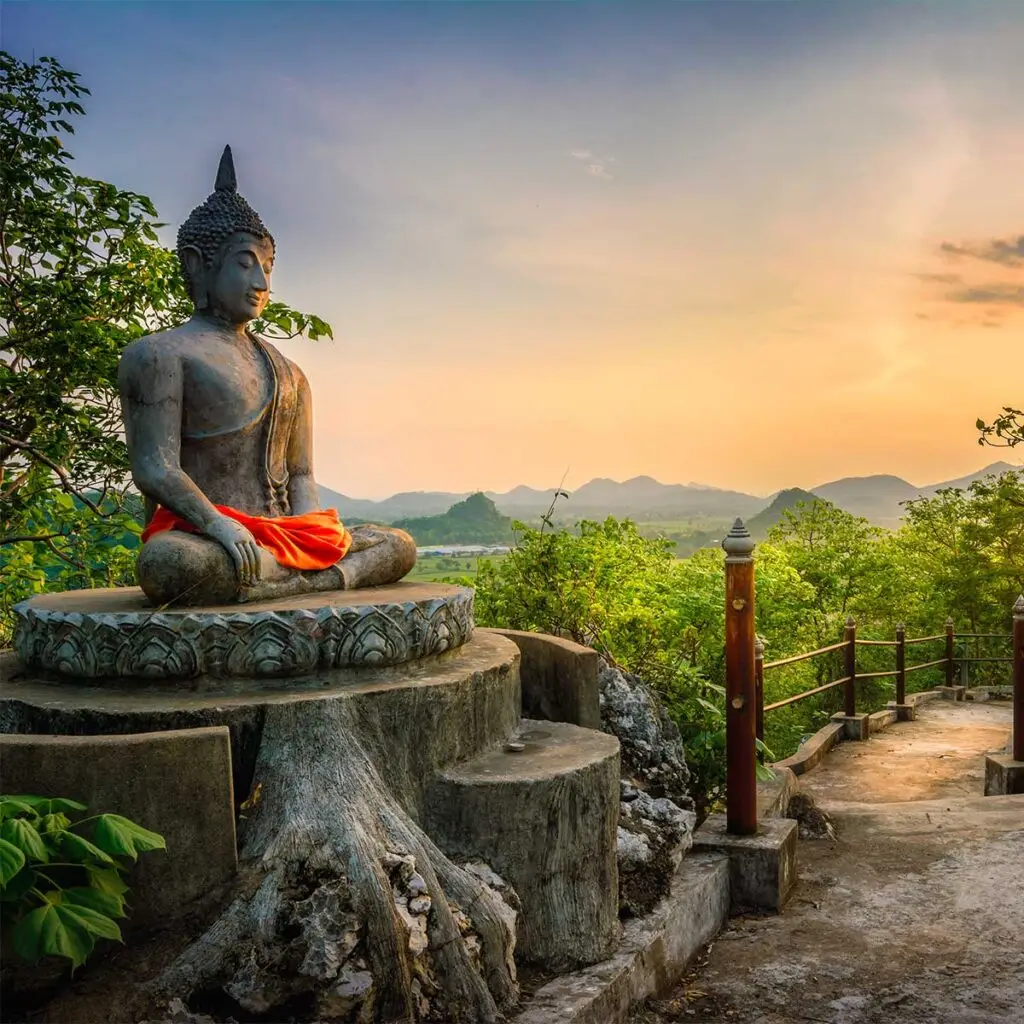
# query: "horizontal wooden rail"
973, 636
925, 639
806, 693
877, 643
878, 675
926, 664
985, 659
803, 657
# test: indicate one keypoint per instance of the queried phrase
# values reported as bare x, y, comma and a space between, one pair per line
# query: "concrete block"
652, 956
559, 678
881, 720
904, 712
978, 696
773, 795
855, 727
1003, 775
950, 692
177, 783
811, 753
762, 867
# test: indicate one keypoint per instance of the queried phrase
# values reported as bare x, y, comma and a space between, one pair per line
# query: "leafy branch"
61, 890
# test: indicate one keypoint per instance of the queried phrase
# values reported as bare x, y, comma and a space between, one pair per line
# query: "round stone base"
427, 715
110, 635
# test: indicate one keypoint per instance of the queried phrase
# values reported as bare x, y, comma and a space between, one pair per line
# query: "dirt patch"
909, 916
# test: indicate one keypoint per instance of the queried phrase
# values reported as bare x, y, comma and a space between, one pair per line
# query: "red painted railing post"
901, 664
740, 690
849, 690
1018, 679
759, 687
949, 651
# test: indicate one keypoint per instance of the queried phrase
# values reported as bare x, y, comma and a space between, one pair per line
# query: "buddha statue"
219, 431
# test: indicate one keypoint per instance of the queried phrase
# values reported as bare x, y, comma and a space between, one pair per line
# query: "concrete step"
542, 811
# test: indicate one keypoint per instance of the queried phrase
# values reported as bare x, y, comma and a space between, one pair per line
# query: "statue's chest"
228, 393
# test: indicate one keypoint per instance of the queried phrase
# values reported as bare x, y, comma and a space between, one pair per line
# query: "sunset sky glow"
756, 245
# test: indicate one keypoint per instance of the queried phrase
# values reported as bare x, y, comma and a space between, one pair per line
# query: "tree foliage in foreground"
82, 274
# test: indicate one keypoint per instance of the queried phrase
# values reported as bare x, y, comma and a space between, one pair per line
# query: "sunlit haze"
752, 245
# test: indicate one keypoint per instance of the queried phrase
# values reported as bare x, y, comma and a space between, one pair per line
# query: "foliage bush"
61, 890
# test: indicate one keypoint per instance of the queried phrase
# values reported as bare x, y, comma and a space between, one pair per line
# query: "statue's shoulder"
153, 349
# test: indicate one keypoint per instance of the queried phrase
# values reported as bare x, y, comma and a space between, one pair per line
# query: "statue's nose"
259, 279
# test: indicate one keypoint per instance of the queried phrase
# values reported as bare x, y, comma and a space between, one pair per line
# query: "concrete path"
914, 913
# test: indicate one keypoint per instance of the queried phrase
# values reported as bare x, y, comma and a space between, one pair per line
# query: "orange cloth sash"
315, 540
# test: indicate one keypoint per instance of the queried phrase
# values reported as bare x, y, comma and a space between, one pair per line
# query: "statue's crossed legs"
178, 568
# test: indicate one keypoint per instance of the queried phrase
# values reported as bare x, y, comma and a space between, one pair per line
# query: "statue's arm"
150, 382
302, 491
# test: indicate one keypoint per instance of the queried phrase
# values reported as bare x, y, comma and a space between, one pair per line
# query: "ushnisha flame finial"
227, 181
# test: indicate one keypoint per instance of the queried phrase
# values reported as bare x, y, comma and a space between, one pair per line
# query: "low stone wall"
175, 783
810, 753
559, 678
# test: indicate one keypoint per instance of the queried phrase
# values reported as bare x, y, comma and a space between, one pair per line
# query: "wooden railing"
745, 668
850, 642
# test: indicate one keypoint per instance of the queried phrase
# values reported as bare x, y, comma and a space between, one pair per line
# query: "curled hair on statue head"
210, 225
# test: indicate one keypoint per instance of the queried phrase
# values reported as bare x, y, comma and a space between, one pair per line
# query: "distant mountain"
473, 521
760, 524
996, 469
878, 498
641, 497
646, 499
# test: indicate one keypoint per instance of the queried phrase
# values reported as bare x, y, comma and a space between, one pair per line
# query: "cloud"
595, 166
990, 295
1005, 252
940, 278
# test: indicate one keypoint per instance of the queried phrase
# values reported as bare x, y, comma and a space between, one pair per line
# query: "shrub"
61, 891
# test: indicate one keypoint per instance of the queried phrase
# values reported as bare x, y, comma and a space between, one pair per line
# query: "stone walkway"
914, 913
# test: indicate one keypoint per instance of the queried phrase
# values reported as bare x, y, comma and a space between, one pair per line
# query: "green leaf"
106, 880
12, 860
47, 804
23, 835
12, 805
102, 902
80, 849
60, 929
120, 836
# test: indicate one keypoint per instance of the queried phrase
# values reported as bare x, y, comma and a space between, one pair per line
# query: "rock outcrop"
656, 819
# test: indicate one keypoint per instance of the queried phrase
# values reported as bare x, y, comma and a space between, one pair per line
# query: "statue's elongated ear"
195, 271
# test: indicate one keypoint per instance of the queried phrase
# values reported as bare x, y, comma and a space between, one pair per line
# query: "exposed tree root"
348, 910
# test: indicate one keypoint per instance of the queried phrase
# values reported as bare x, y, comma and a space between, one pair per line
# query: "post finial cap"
738, 543
758, 647
949, 622
1018, 605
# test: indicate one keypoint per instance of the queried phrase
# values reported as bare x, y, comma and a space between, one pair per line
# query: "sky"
752, 244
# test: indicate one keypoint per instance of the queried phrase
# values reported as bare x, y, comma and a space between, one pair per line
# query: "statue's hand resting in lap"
240, 545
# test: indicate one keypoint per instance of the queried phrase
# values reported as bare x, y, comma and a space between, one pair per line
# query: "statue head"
226, 252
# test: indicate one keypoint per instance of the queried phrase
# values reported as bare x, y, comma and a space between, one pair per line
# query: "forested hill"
476, 520
760, 524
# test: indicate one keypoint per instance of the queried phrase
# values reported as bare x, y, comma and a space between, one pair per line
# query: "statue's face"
239, 286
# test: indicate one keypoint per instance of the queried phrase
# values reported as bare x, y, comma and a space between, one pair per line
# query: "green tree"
82, 273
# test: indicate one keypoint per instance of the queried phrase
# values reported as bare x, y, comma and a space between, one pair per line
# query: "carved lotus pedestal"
404, 836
